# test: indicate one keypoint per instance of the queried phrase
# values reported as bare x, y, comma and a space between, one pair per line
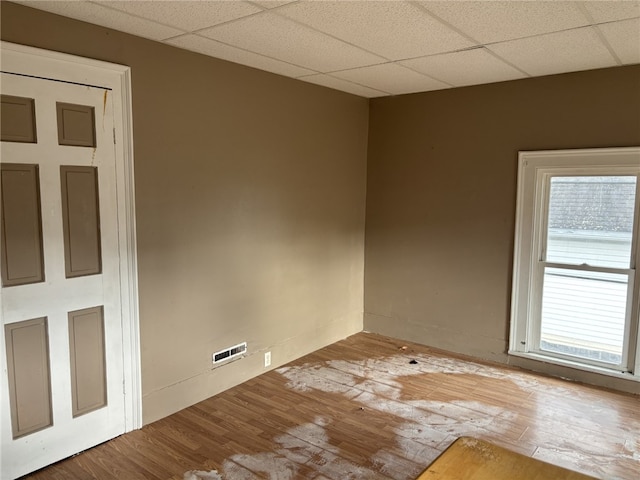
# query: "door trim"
23, 60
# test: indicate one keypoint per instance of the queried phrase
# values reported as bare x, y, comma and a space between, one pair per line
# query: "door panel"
77, 302
88, 374
76, 125
21, 225
18, 119
81, 220
29, 377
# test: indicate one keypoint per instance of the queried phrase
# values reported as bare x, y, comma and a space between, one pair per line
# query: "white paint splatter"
393, 466
633, 448
202, 475
431, 424
306, 444
426, 427
275, 465
448, 418
233, 471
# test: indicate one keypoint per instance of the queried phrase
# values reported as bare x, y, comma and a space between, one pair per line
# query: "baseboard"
173, 398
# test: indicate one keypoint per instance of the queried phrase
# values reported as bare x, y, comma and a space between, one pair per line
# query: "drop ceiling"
379, 48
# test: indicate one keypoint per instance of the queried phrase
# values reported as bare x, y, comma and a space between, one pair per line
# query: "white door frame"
22, 60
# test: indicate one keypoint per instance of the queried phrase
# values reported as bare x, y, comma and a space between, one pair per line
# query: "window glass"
591, 220
583, 314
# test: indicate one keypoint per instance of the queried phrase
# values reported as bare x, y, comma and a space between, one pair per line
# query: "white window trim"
531, 165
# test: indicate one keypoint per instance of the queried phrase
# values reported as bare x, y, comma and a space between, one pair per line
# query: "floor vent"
229, 353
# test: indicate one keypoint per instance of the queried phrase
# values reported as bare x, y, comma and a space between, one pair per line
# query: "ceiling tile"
469, 67
391, 78
99, 15
278, 37
215, 49
285, 37
610, 11
343, 85
394, 30
489, 22
561, 52
186, 15
624, 38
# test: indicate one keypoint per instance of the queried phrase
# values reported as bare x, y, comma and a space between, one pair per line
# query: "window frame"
535, 168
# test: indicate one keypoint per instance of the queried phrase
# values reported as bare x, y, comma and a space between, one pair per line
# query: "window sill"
576, 365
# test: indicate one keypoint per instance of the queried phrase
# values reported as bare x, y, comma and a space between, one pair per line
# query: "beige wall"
441, 198
250, 208
251, 196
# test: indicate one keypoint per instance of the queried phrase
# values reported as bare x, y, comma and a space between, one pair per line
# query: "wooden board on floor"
472, 459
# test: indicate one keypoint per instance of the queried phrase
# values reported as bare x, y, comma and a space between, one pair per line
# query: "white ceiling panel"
383, 47
561, 52
391, 78
186, 15
469, 67
107, 17
624, 38
278, 37
402, 30
343, 85
215, 49
489, 22
611, 11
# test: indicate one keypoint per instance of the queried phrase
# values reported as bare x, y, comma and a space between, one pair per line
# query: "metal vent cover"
229, 353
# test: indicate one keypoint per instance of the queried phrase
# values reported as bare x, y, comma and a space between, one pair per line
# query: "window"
575, 297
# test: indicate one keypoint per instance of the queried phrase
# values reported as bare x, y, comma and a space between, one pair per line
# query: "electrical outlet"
267, 359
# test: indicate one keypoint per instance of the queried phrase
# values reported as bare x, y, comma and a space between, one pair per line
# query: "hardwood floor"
359, 409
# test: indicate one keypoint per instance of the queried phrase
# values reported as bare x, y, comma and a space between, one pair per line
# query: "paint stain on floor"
304, 445
384, 386
202, 475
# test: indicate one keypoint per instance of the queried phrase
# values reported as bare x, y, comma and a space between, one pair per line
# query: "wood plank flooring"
359, 409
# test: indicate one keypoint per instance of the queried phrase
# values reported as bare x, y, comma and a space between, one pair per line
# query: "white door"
62, 340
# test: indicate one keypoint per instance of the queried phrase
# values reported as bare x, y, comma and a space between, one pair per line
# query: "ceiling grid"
389, 47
